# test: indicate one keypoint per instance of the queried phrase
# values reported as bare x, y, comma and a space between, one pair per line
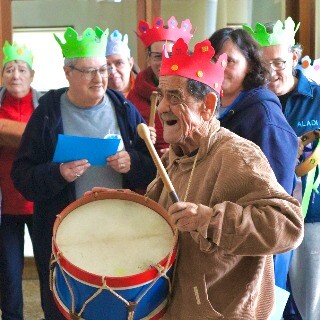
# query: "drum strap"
314, 158
312, 186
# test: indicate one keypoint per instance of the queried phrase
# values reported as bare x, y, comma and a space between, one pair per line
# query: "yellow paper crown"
16, 52
91, 44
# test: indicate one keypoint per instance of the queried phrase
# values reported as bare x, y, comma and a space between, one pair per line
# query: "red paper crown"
197, 66
159, 32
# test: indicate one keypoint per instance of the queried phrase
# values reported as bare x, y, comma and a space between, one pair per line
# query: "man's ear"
67, 71
209, 106
131, 62
295, 58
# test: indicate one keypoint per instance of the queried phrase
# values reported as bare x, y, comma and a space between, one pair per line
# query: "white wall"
266, 11
79, 14
89, 13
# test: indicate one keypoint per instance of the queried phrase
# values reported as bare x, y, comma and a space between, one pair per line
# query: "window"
48, 59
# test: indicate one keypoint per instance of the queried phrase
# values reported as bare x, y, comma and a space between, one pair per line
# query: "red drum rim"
113, 282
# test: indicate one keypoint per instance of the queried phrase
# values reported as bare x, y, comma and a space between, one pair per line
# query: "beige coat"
225, 268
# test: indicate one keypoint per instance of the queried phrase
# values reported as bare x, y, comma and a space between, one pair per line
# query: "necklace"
190, 178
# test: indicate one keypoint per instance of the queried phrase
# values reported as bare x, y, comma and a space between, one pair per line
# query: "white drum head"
114, 238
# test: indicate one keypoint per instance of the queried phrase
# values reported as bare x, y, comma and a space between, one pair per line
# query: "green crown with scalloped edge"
16, 52
91, 44
282, 32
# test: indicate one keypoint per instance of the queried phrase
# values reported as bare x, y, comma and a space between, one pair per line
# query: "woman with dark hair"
253, 112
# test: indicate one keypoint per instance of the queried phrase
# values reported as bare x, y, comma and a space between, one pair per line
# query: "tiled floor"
31, 291
32, 309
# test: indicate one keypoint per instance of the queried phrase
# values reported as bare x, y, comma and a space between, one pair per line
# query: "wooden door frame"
304, 11
5, 26
147, 10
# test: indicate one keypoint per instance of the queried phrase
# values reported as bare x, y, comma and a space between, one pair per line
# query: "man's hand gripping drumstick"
183, 215
144, 133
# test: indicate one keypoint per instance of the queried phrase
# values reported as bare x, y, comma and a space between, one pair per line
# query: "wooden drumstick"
144, 133
153, 107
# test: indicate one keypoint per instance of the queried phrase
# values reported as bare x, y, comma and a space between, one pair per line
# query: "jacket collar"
35, 96
304, 86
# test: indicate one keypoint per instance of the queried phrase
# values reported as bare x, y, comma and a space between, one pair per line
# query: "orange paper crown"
160, 32
197, 66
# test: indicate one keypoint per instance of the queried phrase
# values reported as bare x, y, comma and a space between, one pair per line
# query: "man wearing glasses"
147, 80
300, 100
123, 68
85, 108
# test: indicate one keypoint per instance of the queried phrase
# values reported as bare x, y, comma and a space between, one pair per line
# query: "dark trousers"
11, 264
42, 239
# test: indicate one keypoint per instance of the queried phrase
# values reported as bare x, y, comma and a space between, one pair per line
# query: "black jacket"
38, 178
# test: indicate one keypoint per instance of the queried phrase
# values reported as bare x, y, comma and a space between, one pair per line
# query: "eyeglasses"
119, 65
278, 65
90, 73
157, 56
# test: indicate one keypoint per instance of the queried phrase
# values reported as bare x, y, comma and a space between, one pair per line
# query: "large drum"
113, 258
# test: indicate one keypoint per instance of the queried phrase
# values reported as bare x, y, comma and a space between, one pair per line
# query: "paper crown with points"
281, 33
310, 68
160, 32
16, 52
91, 44
197, 66
118, 45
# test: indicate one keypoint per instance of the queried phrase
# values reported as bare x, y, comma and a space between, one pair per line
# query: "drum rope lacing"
131, 305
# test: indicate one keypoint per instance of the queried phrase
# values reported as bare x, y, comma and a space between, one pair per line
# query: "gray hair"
199, 91
292, 48
297, 48
70, 62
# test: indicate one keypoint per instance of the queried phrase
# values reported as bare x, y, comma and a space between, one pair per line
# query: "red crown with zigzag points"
197, 66
160, 32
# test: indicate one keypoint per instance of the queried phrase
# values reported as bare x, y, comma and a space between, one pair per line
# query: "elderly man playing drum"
85, 108
233, 215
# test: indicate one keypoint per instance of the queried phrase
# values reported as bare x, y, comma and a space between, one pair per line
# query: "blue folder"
95, 150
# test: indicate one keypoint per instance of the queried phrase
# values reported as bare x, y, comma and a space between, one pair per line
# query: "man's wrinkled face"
119, 78
281, 80
179, 112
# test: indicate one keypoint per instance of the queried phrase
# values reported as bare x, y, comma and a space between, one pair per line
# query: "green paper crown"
91, 44
15, 52
281, 33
